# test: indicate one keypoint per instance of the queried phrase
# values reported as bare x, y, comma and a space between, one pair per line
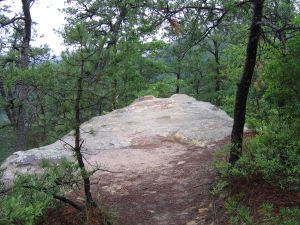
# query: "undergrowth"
271, 158
266, 214
31, 196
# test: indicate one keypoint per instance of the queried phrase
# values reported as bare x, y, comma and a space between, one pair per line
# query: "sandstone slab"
143, 124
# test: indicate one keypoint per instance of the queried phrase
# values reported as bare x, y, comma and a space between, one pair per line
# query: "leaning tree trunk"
21, 88
245, 82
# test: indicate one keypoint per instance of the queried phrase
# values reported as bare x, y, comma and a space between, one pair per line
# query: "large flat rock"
145, 123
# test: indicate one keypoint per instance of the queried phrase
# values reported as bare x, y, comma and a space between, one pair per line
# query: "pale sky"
48, 17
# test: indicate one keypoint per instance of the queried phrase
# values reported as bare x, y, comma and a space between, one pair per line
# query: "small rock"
202, 210
80, 199
181, 162
211, 145
193, 222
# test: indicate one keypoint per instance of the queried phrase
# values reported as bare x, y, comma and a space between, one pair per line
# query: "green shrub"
274, 155
31, 195
162, 88
240, 214
23, 207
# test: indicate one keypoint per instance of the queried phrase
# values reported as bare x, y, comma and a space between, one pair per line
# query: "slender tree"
78, 142
245, 82
21, 88
16, 110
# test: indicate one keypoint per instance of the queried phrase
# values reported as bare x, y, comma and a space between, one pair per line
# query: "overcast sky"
48, 17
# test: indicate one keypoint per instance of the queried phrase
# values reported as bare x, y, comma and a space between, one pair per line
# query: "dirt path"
163, 182
166, 182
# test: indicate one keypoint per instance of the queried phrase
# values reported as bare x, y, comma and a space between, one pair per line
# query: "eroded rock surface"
141, 125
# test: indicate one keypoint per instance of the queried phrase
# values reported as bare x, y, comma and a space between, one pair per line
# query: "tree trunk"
114, 97
26, 35
177, 83
100, 106
218, 73
21, 88
245, 82
197, 88
15, 109
21, 140
78, 143
41, 99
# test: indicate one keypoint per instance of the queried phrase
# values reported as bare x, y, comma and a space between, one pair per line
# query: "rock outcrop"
143, 123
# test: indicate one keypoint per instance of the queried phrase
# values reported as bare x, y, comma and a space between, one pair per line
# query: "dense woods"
242, 56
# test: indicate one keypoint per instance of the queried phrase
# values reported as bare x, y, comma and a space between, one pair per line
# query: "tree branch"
6, 23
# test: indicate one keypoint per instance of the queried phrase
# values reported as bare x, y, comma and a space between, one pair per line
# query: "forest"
240, 55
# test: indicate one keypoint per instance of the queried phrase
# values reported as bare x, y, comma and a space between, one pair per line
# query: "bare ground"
164, 182
167, 182
157, 181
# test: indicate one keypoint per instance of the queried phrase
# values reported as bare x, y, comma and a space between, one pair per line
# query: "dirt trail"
164, 182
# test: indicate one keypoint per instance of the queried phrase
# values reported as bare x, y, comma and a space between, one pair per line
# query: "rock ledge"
179, 117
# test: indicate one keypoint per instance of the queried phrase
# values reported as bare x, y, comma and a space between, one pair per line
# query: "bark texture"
245, 82
21, 88
78, 142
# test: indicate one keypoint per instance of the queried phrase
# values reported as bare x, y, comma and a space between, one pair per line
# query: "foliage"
23, 209
161, 88
273, 110
240, 214
275, 155
31, 195
272, 156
